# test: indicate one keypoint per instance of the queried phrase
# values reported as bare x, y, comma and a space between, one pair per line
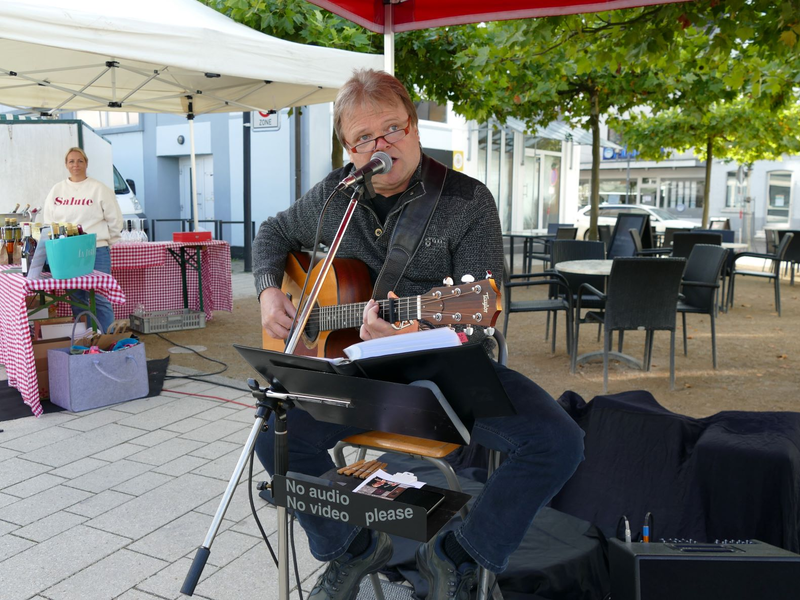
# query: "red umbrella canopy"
409, 15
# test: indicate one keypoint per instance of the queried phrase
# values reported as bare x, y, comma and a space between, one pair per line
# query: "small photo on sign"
382, 485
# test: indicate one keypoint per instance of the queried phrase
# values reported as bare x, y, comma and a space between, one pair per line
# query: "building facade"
534, 178
677, 184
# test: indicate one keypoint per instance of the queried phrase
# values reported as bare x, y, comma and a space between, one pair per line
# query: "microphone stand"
269, 400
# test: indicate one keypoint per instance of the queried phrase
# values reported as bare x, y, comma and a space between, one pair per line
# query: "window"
430, 111
616, 137
681, 194
779, 194
731, 190
103, 119
584, 192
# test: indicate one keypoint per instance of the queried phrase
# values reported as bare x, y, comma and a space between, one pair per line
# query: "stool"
431, 451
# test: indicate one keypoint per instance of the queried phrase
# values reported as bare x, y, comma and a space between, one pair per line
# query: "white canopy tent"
164, 56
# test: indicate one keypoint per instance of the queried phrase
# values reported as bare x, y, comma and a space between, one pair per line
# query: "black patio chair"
640, 251
604, 231
792, 257
699, 288
682, 243
775, 273
552, 303
669, 232
565, 250
561, 233
728, 235
642, 295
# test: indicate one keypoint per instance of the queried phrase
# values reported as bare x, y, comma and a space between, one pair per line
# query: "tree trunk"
594, 123
707, 186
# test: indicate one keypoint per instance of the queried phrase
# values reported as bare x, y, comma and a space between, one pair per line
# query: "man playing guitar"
462, 236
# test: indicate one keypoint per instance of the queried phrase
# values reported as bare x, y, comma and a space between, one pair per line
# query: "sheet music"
444, 337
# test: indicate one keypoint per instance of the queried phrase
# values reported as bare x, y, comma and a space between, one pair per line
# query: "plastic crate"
168, 320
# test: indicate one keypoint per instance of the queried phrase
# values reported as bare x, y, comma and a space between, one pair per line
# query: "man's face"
371, 122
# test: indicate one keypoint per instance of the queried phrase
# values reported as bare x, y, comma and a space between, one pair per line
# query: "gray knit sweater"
463, 236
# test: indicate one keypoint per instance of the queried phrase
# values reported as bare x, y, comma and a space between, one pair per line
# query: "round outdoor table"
734, 245
603, 269
585, 267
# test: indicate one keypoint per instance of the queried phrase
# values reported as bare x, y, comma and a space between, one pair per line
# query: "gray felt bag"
85, 381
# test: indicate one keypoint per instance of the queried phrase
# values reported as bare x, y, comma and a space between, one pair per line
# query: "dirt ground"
758, 366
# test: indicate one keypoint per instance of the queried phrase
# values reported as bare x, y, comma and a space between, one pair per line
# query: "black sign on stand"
332, 497
384, 393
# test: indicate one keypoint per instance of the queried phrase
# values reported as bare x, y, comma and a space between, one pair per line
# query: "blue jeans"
544, 447
104, 311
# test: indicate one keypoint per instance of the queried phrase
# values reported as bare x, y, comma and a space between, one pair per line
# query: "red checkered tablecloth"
16, 347
150, 276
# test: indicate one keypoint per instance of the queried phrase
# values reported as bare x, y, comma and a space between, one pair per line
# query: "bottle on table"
16, 208
28, 247
8, 238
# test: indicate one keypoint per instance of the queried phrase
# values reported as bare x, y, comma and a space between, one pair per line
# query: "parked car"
607, 215
125, 190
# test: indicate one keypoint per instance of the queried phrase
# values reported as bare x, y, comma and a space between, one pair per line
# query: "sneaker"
342, 577
445, 580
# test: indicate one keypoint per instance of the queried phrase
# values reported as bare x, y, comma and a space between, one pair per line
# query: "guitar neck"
343, 316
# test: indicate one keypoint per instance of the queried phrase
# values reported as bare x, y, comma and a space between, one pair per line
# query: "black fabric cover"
561, 557
733, 475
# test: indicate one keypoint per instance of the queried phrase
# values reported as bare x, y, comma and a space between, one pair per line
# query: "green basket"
168, 320
71, 256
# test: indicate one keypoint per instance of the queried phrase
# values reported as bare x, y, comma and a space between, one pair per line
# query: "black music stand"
422, 394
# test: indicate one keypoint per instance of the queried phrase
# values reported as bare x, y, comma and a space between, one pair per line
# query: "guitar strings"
340, 313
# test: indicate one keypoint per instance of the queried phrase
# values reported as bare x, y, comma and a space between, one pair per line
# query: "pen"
648, 523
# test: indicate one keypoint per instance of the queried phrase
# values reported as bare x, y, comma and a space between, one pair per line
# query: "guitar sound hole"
311, 332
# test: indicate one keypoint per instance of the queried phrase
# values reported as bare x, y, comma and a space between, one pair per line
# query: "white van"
128, 203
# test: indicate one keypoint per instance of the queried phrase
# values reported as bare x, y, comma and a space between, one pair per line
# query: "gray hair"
373, 88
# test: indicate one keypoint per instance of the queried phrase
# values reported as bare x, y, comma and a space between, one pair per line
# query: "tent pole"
190, 116
248, 213
388, 38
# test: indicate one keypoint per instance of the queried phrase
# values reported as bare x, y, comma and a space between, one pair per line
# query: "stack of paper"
443, 337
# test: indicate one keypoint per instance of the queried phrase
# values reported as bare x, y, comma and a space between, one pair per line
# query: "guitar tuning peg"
467, 278
469, 330
490, 331
448, 281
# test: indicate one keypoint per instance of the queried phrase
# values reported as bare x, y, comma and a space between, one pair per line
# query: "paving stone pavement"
113, 502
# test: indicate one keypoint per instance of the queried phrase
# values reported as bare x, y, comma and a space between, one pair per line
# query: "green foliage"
299, 21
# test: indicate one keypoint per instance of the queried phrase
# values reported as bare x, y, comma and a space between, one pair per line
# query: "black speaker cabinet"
665, 571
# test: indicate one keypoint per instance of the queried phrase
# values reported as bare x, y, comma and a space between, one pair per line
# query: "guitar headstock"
467, 303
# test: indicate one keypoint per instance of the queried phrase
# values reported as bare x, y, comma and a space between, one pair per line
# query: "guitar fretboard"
343, 316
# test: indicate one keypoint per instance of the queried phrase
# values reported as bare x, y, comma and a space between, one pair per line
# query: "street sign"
265, 121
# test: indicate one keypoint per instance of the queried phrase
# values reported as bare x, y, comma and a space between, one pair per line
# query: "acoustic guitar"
334, 323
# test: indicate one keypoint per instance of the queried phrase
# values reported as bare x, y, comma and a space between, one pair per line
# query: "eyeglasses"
390, 138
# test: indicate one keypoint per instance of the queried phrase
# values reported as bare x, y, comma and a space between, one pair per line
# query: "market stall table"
164, 276
16, 345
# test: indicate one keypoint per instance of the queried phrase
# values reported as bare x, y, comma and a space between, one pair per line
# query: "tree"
740, 130
575, 67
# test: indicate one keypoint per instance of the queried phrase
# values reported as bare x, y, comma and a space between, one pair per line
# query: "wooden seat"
378, 440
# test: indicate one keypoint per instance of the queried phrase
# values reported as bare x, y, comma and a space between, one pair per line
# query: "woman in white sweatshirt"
82, 200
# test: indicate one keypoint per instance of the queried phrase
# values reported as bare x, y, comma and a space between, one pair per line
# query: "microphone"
380, 163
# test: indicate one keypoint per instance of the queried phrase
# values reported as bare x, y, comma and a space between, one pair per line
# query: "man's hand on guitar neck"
277, 313
375, 327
